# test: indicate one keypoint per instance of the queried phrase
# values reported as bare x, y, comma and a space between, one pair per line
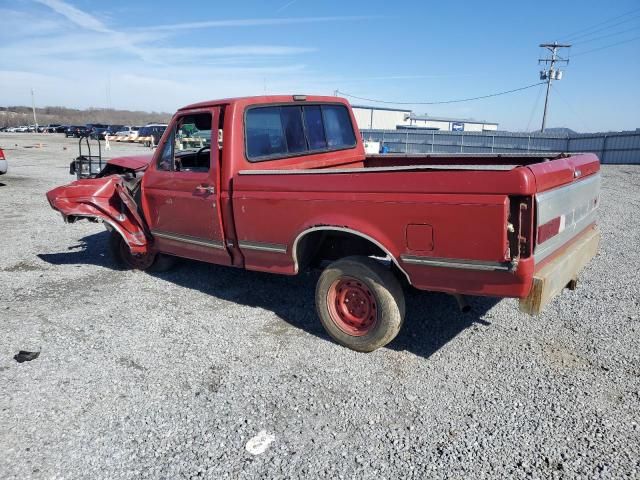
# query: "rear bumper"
554, 276
3, 167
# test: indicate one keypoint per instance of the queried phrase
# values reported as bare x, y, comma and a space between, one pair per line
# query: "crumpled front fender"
104, 199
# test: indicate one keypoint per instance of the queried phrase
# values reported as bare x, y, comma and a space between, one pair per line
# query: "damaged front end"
106, 199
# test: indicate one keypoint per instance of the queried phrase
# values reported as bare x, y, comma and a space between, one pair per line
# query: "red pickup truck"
282, 183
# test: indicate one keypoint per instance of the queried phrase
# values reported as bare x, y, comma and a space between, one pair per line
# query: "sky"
159, 56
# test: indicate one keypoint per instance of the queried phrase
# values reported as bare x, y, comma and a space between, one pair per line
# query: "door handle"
205, 189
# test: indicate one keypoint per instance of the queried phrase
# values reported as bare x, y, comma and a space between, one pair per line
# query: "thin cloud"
286, 5
132, 43
89, 22
252, 22
75, 15
238, 50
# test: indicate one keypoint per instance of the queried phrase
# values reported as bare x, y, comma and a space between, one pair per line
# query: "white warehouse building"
381, 118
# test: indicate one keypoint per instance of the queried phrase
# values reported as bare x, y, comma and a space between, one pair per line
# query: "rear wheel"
153, 262
360, 303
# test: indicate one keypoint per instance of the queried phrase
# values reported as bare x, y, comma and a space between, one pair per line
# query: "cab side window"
188, 147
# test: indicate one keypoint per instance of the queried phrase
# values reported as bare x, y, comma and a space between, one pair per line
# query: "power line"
579, 117
439, 102
607, 36
604, 28
535, 106
573, 35
606, 46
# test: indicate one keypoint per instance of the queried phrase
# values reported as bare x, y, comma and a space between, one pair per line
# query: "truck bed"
484, 161
438, 161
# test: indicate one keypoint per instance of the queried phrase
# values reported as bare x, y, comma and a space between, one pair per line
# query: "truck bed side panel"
272, 210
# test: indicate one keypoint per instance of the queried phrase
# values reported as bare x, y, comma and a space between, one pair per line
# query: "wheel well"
330, 245
313, 248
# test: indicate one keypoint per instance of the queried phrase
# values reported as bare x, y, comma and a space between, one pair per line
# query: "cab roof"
266, 99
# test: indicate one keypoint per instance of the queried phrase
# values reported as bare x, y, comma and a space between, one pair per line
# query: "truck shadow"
432, 319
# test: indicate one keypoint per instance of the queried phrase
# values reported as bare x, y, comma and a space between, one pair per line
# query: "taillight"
568, 219
550, 229
1, 154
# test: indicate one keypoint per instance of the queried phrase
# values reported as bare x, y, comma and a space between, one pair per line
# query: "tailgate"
566, 202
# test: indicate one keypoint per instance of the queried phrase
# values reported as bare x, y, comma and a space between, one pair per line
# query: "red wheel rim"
138, 261
352, 306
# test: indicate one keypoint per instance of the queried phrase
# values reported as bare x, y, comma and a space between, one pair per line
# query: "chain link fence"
611, 147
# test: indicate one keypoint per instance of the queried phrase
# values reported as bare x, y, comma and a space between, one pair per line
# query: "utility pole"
551, 74
33, 107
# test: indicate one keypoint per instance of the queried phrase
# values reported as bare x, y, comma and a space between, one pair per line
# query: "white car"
3, 163
127, 131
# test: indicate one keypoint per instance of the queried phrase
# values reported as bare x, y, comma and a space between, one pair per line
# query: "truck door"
180, 190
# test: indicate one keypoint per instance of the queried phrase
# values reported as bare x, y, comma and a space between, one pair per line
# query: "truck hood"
132, 162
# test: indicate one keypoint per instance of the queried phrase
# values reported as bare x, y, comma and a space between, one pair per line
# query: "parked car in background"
52, 127
151, 133
134, 133
128, 131
76, 131
3, 163
112, 130
97, 133
21, 129
61, 128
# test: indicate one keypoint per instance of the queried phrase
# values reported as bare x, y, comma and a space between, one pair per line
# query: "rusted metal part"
106, 200
560, 272
463, 305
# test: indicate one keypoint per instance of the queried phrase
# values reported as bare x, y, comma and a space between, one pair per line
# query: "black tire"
123, 257
363, 278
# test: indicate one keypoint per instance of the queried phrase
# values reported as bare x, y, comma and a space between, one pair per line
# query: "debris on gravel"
25, 356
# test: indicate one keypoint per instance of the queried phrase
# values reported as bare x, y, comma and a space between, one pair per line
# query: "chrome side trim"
575, 206
294, 251
567, 199
459, 263
263, 247
189, 239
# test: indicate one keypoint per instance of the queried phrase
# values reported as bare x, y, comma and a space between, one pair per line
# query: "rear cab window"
281, 131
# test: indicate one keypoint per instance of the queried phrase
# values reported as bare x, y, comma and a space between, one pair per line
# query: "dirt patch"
280, 328
127, 362
23, 267
562, 357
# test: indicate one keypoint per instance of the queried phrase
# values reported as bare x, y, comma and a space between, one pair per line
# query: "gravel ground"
171, 375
